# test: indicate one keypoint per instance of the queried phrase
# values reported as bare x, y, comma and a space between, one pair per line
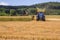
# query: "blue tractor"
40, 16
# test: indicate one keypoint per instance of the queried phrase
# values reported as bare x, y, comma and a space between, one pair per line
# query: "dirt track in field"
53, 19
49, 29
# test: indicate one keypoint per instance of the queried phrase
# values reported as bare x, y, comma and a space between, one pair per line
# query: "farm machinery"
40, 14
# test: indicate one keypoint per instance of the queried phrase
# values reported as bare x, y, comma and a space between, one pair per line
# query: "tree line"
53, 9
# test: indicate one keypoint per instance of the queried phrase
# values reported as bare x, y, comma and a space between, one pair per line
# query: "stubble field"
31, 30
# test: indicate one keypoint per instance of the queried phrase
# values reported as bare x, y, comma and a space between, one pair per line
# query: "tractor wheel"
43, 18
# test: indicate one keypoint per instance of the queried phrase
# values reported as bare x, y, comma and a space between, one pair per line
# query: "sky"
24, 2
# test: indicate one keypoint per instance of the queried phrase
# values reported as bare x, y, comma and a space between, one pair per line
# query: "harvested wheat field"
30, 30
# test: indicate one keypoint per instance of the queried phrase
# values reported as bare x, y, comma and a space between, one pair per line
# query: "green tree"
12, 12
3, 14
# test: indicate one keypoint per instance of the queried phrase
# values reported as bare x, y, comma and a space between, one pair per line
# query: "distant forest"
52, 8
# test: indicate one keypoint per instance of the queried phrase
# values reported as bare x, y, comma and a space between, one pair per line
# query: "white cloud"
3, 3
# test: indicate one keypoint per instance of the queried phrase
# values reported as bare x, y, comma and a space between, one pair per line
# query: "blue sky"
24, 2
